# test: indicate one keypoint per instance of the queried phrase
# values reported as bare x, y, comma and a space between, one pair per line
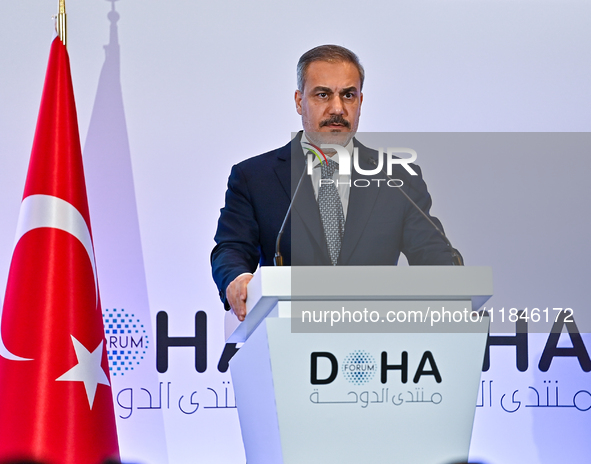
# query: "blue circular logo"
127, 341
359, 367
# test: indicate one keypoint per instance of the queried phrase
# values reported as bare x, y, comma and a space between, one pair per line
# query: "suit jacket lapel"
289, 171
283, 169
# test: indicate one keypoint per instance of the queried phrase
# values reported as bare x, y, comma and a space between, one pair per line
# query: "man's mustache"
336, 119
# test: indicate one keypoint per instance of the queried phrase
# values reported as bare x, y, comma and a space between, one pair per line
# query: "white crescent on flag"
48, 211
7, 354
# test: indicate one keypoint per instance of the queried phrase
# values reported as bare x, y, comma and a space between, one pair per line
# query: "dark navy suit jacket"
380, 222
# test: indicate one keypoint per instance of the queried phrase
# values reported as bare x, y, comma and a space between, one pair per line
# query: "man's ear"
298, 101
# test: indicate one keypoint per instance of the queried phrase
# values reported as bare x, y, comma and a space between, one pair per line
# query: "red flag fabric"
55, 396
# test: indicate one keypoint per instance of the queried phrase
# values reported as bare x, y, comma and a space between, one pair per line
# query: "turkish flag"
55, 395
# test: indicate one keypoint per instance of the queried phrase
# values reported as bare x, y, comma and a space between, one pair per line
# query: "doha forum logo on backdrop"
127, 340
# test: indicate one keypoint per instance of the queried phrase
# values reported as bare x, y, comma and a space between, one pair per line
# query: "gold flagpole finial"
61, 25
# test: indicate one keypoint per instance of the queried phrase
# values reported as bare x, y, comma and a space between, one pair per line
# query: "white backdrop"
205, 85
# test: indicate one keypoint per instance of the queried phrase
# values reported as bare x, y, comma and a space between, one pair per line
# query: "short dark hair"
330, 53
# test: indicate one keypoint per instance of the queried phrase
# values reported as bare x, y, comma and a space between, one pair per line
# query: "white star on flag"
88, 369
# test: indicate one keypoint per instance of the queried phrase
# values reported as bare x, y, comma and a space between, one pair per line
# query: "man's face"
330, 103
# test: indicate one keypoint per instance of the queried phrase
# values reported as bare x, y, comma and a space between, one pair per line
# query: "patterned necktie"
331, 211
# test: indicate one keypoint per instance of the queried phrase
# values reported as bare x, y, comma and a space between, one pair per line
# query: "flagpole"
60, 24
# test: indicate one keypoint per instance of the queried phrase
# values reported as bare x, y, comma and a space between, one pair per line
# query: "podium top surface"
361, 283
371, 283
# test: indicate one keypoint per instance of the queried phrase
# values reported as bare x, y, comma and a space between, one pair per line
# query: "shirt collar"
316, 161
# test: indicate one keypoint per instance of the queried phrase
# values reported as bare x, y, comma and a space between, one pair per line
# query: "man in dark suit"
366, 223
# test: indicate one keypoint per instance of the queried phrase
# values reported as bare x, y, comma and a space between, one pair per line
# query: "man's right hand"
236, 295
